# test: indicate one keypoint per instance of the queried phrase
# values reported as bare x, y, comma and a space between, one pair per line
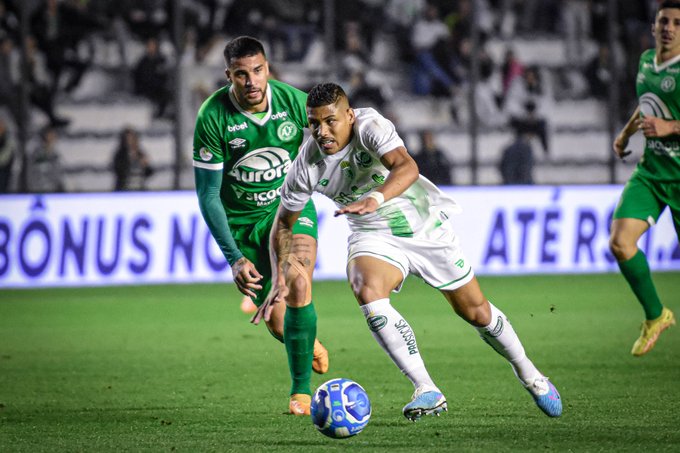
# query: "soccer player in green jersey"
655, 183
247, 135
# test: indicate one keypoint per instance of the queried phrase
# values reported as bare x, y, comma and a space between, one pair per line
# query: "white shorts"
435, 257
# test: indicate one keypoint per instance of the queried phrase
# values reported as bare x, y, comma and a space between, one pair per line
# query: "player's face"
249, 78
666, 30
331, 125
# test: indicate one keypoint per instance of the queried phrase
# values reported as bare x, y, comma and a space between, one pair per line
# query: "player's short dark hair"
243, 46
325, 94
669, 4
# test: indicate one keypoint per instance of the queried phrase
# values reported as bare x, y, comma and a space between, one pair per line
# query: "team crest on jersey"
205, 154
668, 84
286, 131
363, 159
238, 143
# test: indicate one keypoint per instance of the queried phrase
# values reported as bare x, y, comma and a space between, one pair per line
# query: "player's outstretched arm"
403, 172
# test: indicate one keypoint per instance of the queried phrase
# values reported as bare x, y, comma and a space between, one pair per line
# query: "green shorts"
645, 199
253, 241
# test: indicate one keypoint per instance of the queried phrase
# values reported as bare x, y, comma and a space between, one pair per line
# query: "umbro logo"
237, 143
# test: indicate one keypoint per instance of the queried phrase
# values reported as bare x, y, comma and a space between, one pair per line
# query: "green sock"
636, 272
299, 333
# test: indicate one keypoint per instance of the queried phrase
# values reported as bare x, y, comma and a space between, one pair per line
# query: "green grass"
179, 368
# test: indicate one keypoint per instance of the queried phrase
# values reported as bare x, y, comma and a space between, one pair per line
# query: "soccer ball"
340, 408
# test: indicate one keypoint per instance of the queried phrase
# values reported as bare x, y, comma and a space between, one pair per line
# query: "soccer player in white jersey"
400, 225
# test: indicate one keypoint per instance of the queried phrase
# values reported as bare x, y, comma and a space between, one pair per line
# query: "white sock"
500, 335
395, 336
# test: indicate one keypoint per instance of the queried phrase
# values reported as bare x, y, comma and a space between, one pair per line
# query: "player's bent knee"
620, 248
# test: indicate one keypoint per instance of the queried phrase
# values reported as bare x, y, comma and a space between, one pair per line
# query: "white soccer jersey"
353, 172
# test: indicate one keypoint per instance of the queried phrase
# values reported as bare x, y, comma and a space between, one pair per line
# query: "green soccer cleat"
651, 331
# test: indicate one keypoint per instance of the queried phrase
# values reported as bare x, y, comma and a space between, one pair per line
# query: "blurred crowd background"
97, 95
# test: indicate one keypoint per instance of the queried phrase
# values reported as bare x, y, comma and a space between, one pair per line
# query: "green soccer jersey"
254, 151
658, 90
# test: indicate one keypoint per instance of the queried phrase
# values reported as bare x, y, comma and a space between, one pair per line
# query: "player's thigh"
372, 278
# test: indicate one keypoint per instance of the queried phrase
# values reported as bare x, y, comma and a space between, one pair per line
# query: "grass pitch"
179, 368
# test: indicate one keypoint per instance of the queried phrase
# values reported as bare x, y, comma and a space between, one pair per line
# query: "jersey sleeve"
379, 135
297, 188
208, 149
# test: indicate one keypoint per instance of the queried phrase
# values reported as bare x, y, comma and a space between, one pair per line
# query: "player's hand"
361, 207
620, 144
246, 277
276, 295
655, 127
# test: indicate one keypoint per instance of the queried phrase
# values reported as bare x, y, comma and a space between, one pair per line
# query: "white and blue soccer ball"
340, 408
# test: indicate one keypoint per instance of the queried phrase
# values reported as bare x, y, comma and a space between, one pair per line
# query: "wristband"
377, 196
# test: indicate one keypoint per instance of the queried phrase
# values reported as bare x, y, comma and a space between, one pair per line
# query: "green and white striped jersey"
353, 172
254, 152
658, 90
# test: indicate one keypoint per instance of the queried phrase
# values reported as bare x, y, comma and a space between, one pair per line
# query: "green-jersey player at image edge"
655, 183
246, 137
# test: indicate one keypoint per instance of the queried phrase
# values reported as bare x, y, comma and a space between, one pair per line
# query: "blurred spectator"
145, 18
429, 77
40, 93
151, 77
9, 93
44, 172
364, 94
432, 162
598, 73
130, 162
576, 18
355, 56
517, 161
7, 153
488, 100
527, 103
511, 69
538, 16
401, 15
9, 22
59, 28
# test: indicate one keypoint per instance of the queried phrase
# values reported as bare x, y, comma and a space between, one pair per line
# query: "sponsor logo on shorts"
375, 323
408, 336
286, 131
498, 328
306, 221
460, 263
205, 154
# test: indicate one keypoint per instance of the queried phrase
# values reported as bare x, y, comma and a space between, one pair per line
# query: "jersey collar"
249, 115
660, 67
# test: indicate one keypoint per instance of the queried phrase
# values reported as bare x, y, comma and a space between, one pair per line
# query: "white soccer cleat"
425, 401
